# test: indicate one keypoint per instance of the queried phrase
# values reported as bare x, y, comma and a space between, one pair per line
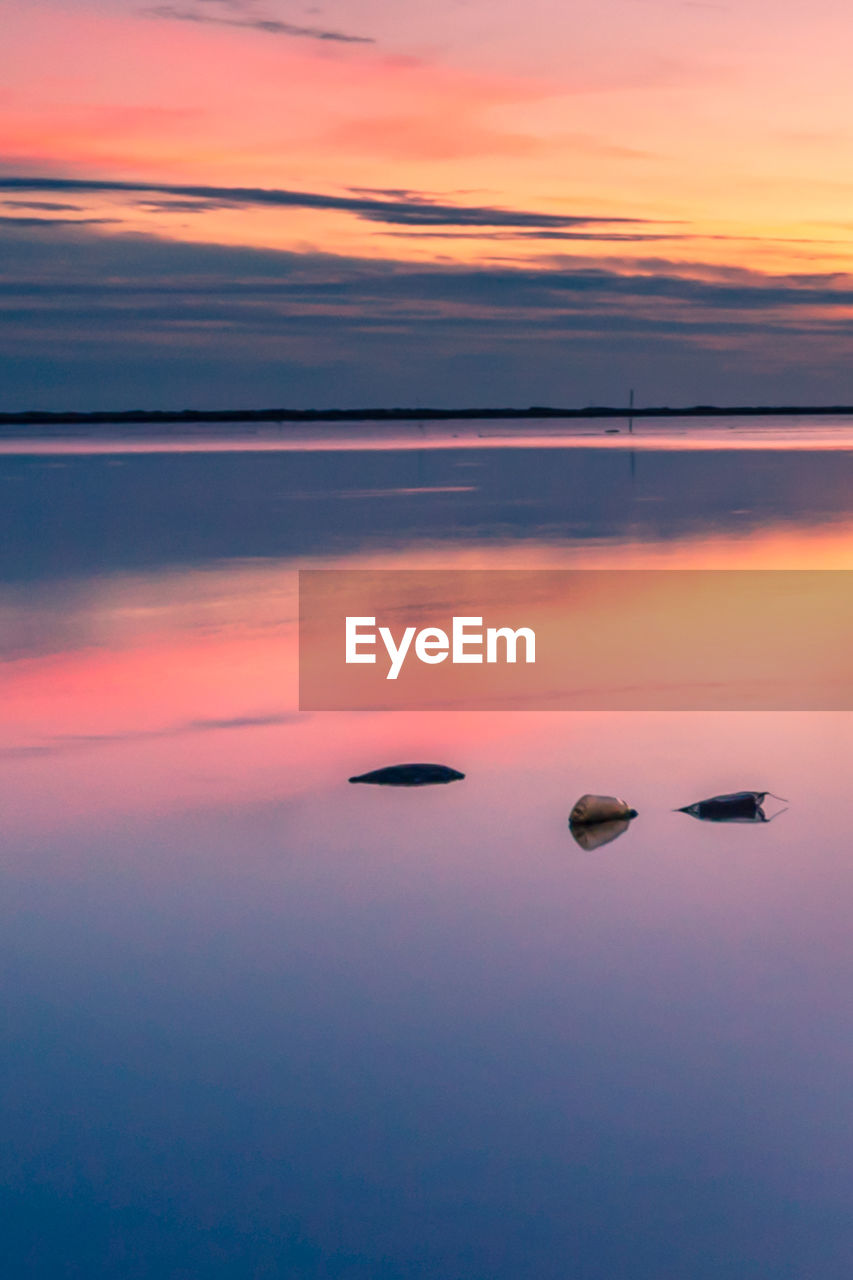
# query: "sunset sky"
374, 202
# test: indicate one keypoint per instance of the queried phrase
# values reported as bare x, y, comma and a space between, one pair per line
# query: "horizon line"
71, 417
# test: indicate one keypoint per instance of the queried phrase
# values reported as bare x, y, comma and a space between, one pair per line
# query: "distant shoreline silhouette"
178, 417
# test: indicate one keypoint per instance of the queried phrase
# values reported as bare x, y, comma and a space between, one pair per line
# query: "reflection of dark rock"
738, 806
593, 835
410, 775
599, 809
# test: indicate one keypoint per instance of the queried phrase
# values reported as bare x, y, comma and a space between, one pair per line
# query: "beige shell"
599, 809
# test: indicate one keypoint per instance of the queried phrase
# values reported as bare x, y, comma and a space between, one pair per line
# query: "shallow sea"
260, 1023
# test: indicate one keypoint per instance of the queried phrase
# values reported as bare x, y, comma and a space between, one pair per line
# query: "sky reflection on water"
264, 1023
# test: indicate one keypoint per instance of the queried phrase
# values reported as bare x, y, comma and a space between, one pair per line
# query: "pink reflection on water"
182, 693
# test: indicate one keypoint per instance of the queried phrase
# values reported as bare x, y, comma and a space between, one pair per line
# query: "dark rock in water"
410, 775
595, 834
738, 806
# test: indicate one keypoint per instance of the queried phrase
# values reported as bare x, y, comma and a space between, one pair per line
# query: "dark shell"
410, 775
738, 806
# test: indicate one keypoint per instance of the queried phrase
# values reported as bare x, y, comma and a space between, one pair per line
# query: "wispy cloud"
228, 13
607, 237
52, 205
412, 210
184, 206
34, 220
604, 237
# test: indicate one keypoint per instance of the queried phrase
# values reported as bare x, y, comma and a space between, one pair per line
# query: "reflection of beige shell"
599, 809
594, 834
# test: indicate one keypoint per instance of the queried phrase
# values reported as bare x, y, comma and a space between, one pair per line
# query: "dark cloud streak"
413, 211
34, 221
269, 26
608, 236
53, 206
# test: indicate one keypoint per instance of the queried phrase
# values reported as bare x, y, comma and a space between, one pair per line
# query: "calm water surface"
260, 1023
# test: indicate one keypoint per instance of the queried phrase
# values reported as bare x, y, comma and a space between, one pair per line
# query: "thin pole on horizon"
630, 414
